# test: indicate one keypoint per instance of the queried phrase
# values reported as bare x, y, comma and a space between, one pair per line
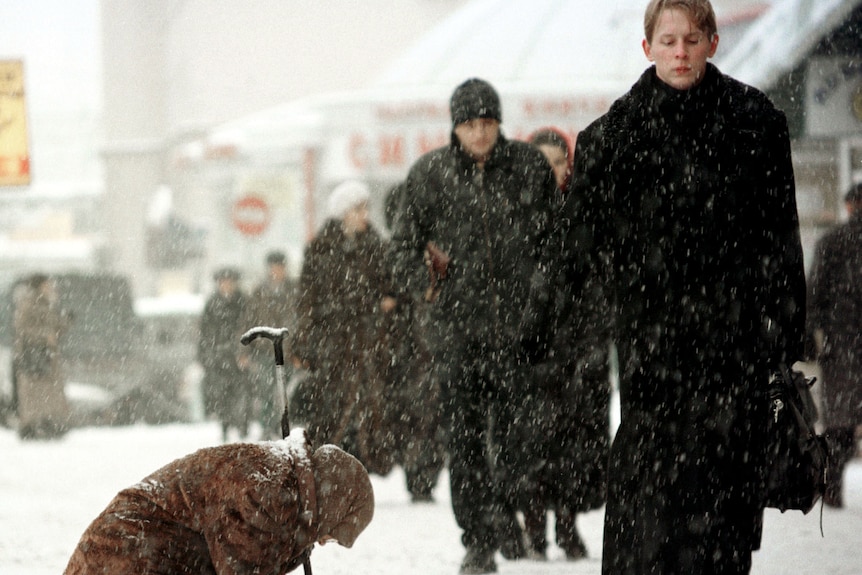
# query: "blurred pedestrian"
227, 389
482, 204
415, 398
570, 411
835, 318
683, 193
43, 411
239, 508
271, 303
558, 149
345, 303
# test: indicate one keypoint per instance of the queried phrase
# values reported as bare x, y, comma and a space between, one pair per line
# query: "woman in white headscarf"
344, 315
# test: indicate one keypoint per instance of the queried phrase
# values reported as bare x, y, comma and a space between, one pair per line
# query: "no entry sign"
250, 215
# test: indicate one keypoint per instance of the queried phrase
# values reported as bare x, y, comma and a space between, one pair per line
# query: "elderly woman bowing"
229, 510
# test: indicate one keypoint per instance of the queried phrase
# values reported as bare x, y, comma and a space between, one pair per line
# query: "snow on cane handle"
275, 334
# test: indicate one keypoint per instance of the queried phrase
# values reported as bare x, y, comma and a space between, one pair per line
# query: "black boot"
27, 432
478, 561
511, 537
568, 537
536, 526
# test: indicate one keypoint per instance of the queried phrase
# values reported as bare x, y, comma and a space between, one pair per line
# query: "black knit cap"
227, 274
36, 280
475, 98
276, 258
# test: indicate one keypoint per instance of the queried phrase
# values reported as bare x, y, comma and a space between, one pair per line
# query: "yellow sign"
14, 145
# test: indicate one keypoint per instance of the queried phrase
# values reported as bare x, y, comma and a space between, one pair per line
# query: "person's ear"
713, 45
647, 49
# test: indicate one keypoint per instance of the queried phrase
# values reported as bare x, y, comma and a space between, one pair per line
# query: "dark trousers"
683, 476
479, 414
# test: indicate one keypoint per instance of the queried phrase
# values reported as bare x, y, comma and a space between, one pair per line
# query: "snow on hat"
346, 196
475, 98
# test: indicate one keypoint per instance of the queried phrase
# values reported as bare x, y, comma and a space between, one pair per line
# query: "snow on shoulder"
296, 445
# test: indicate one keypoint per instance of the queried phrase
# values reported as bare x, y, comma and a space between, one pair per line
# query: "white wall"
173, 68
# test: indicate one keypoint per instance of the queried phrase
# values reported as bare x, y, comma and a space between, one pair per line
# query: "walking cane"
277, 335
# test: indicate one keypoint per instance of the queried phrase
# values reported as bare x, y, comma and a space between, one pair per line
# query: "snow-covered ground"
50, 491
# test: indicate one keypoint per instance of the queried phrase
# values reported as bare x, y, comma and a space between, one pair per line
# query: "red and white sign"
250, 215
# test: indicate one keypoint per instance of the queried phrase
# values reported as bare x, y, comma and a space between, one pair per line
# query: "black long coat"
835, 306
690, 198
494, 225
571, 406
341, 336
227, 391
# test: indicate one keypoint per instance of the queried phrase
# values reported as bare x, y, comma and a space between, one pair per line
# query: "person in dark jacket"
227, 389
43, 410
345, 303
835, 319
234, 509
419, 436
686, 189
483, 203
558, 149
271, 303
571, 407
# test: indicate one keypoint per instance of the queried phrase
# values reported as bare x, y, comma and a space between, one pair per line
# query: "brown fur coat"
227, 510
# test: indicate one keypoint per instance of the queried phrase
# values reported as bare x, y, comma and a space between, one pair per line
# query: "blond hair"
700, 12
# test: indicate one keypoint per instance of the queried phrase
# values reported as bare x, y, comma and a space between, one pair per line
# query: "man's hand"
437, 261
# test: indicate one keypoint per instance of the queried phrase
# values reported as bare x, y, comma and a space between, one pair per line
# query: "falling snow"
50, 491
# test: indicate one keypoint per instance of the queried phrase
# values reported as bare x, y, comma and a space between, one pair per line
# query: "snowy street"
50, 491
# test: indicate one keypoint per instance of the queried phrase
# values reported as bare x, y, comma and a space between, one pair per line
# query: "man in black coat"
485, 202
685, 187
227, 389
272, 302
835, 313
